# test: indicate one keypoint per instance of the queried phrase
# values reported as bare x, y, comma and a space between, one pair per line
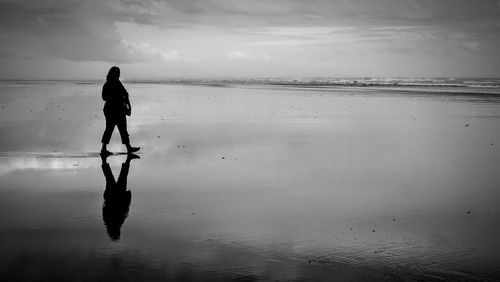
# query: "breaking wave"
344, 82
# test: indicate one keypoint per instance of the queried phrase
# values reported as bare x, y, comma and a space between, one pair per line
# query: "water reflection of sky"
315, 186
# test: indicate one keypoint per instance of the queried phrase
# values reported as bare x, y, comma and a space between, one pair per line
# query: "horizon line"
173, 79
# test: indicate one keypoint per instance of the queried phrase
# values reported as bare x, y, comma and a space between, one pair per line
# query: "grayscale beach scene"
209, 140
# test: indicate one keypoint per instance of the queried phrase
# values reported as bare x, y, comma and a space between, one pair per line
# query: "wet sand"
251, 183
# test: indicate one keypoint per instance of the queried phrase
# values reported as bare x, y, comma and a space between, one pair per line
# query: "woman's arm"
123, 91
106, 93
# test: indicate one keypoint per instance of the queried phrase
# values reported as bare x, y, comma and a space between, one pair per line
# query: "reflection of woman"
116, 107
116, 197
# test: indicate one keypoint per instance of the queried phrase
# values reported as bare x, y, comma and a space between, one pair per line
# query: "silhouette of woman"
116, 108
116, 197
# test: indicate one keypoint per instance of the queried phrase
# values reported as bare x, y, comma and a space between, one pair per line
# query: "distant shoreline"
486, 82
443, 86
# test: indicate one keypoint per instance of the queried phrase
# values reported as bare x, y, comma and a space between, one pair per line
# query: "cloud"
145, 52
240, 55
313, 12
218, 32
77, 31
302, 31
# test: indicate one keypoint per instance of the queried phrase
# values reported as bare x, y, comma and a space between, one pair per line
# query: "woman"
116, 107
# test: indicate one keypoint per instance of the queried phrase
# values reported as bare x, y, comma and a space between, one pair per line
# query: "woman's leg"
121, 123
122, 127
106, 136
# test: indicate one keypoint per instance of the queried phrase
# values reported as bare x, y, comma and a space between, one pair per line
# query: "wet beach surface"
251, 183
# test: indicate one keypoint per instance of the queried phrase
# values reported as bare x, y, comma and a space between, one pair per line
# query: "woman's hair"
113, 74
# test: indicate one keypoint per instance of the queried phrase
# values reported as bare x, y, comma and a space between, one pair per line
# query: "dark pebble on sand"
193, 213
223, 158
467, 125
468, 212
309, 261
393, 219
373, 230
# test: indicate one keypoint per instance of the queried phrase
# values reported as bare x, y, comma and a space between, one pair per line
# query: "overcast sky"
154, 39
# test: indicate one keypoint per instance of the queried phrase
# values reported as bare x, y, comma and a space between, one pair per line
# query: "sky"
162, 39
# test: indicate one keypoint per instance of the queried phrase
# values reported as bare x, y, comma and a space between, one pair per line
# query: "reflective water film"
250, 183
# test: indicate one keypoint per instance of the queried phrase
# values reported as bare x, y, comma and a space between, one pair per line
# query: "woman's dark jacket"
115, 97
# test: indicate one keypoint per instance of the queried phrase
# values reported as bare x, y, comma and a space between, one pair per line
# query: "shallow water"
251, 183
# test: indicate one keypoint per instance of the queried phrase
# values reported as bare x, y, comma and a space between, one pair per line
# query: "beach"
252, 182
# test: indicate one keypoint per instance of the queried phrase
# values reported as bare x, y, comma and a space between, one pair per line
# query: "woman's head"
113, 74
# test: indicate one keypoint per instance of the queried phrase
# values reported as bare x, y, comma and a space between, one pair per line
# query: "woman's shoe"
132, 149
106, 153
131, 157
